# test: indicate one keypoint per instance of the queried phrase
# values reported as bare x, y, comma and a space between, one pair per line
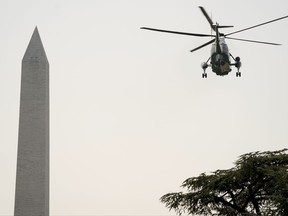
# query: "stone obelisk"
32, 178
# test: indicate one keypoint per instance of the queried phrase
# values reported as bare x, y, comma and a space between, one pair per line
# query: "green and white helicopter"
220, 56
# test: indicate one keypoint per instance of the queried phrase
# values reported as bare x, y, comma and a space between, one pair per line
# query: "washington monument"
32, 178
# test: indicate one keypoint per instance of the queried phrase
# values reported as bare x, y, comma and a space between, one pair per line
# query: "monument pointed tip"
35, 32
35, 48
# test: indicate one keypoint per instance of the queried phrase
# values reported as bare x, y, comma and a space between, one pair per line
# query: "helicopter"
220, 62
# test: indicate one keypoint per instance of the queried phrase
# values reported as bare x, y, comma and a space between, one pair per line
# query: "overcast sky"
131, 116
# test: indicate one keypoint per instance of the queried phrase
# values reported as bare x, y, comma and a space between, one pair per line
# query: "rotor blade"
209, 42
175, 32
207, 16
225, 26
253, 41
257, 25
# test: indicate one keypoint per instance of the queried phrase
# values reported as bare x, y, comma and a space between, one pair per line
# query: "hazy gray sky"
131, 116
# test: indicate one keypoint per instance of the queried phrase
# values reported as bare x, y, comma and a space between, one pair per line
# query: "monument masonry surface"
32, 178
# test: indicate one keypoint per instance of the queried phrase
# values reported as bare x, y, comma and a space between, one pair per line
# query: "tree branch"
233, 206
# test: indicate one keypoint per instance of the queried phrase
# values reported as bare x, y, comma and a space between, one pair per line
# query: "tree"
256, 185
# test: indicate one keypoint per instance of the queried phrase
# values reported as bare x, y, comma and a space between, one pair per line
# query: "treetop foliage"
256, 185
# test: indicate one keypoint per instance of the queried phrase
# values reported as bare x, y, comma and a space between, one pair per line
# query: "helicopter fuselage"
220, 57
